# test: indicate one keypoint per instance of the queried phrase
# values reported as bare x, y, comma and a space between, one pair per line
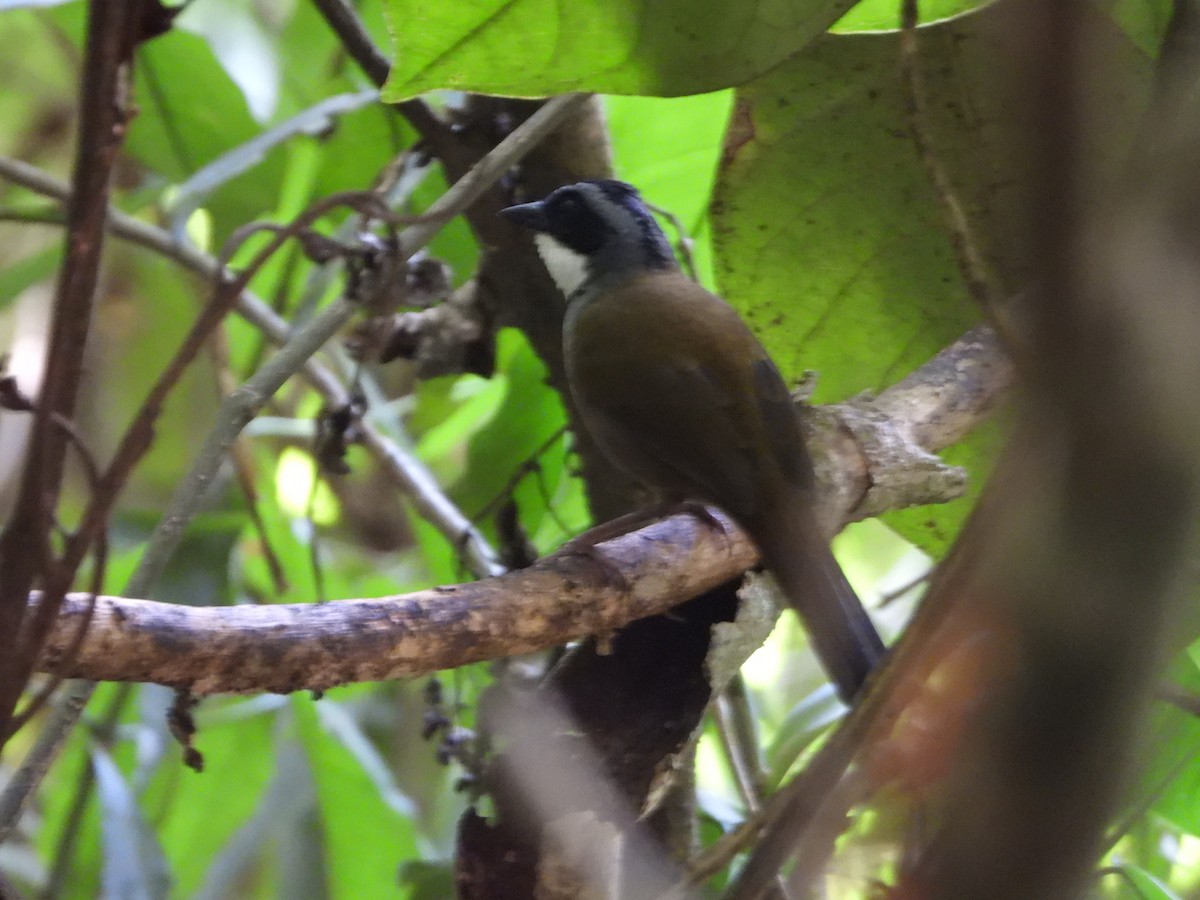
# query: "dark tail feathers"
840, 629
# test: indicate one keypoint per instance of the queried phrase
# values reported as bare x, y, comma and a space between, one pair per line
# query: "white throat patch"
566, 267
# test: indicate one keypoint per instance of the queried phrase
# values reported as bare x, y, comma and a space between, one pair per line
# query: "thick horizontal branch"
562, 598
314, 646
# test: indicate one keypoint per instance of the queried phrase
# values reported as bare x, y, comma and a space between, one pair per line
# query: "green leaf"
191, 112
247, 156
197, 814
134, 864
357, 146
670, 150
428, 880
530, 414
1171, 782
830, 240
33, 269
283, 834
827, 236
533, 48
198, 572
369, 833
39, 93
1146, 886
1144, 21
475, 401
241, 44
806, 722
884, 15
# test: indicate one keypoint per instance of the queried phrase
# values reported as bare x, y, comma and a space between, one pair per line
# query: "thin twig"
253, 309
192, 193
735, 725
243, 463
140, 433
889, 597
685, 240
100, 562
718, 855
112, 34
528, 465
344, 22
407, 472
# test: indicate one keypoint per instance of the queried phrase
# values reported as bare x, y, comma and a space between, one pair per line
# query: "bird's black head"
603, 224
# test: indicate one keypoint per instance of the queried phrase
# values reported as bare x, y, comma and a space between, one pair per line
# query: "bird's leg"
584, 544
702, 511
632, 521
614, 528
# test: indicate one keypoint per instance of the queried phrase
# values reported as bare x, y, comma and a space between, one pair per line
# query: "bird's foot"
577, 546
614, 528
584, 544
707, 516
704, 513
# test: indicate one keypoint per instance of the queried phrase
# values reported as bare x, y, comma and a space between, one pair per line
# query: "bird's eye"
575, 222
568, 203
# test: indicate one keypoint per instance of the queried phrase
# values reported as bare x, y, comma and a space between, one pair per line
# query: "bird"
677, 392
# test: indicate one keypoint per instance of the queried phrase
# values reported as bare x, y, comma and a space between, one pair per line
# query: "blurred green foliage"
823, 233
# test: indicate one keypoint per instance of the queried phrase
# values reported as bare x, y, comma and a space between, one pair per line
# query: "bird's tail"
840, 629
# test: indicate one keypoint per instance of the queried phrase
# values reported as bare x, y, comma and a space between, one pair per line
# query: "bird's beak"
528, 215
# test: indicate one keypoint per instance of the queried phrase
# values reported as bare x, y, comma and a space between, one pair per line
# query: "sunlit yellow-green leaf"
533, 48
884, 15
829, 237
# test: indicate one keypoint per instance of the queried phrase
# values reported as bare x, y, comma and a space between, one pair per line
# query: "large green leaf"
670, 149
134, 864
196, 814
532, 48
368, 825
884, 15
191, 112
829, 238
